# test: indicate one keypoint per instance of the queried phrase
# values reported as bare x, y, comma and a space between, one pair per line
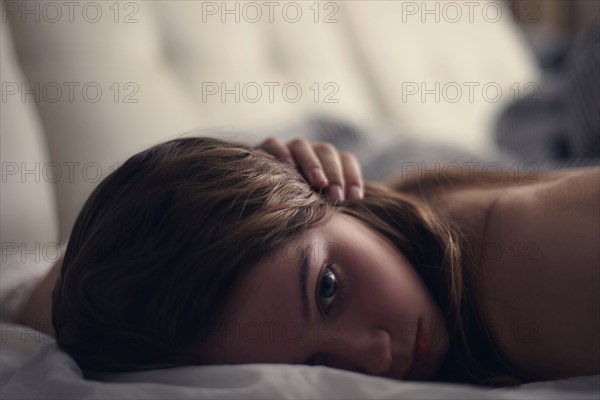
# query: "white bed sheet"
33, 367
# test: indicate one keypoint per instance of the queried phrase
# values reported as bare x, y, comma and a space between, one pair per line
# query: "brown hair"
159, 244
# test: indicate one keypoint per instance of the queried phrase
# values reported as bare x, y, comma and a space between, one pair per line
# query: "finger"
308, 161
332, 166
353, 176
277, 148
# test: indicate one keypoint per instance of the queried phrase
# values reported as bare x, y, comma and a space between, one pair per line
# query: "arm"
36, 311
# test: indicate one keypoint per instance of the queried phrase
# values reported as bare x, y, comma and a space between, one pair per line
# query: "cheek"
404, 290
388, 286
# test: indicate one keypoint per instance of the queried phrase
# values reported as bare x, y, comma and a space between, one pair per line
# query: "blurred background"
86, 84
550, 27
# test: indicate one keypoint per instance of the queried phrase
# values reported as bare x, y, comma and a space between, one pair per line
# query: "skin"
36, 311
536, 248
543, 291
372, 317
544, 301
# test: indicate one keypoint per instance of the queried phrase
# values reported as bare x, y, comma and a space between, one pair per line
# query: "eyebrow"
303, 280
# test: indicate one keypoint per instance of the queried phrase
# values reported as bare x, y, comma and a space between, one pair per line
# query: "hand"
338, 172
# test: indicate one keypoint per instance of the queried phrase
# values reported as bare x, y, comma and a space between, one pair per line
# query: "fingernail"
355, 192
336, 192
317, 178
322, 179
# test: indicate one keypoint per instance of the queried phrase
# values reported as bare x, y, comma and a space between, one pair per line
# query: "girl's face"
342, 296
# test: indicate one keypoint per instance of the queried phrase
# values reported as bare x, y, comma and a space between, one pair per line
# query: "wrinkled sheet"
49, 373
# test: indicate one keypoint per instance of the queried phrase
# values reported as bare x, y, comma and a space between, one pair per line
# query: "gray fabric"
559, 126
384, 152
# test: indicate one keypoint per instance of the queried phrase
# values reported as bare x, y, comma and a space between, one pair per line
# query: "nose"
364, 352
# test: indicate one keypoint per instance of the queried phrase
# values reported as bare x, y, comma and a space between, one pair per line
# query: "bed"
168, 55
32, 366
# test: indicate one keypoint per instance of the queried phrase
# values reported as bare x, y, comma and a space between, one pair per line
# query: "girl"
204, 251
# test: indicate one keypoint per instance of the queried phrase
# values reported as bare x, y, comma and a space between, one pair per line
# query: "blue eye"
328, 288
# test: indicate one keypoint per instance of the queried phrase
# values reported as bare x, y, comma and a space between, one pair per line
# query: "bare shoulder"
579, 187
540, 274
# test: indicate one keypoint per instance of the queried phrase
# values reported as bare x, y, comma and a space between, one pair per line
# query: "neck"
468, 207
